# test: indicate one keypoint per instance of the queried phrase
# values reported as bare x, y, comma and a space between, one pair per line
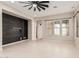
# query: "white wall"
0, 27
53, 17
17, 13
34, 22
58, 16
13, 10
76, 39
30, 29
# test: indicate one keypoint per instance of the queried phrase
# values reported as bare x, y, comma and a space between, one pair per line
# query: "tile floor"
41, 49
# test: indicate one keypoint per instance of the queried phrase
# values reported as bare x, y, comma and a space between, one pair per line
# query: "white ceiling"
62, 7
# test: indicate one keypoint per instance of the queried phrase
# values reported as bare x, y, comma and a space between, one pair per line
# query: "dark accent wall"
14, 29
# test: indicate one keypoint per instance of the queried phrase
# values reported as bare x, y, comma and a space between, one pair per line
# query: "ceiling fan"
36, 5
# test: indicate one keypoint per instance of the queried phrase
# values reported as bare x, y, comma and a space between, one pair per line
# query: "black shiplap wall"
14, 28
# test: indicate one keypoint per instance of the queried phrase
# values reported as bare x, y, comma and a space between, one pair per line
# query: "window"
49, 27
57, 28
65, 27
61, 27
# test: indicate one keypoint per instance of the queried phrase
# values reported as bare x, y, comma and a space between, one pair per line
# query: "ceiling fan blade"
38, 8
26, 5
44, 5
30, 7
41, 7
44, 2
34, 9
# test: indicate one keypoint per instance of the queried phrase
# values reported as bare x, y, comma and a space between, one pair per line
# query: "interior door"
39, 30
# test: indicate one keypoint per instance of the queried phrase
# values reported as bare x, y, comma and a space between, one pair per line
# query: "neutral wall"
34, 23
15, 12
58, 16
76, 39
30, 29
55, 17
0, 27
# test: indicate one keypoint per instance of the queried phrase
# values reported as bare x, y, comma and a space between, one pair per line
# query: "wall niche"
14, 29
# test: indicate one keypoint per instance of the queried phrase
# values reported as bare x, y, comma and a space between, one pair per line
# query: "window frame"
56, 27
61, 27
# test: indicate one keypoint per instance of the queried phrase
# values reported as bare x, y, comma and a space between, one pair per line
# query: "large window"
49, 27
61, 28
57, 28
65, 28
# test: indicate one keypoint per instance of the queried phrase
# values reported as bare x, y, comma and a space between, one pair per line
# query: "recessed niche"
14, 29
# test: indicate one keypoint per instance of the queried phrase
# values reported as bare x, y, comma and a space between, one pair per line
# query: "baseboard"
14, 43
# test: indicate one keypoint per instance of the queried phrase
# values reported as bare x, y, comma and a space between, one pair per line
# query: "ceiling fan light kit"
36, 5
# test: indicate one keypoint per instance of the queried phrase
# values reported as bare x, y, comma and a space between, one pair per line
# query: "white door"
39, 30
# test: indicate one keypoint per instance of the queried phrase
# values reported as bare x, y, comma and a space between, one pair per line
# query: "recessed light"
12, 1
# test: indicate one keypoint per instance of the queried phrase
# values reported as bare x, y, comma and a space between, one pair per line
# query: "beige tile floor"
41, 49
